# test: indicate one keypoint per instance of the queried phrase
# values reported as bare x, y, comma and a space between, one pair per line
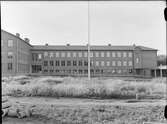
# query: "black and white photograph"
83, 62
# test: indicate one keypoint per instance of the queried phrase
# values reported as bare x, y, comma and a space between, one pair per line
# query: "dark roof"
93, 47
15, 37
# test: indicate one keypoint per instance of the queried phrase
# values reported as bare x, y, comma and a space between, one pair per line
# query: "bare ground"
88, 111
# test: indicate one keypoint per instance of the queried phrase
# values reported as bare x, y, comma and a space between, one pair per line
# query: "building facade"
72, 60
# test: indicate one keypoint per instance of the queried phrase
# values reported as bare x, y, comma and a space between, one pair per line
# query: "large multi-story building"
20, 57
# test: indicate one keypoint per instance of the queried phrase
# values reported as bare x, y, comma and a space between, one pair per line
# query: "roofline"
17, 37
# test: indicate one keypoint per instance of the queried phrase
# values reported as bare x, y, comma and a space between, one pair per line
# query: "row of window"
37, 56
10, 43
85, 63
97, 71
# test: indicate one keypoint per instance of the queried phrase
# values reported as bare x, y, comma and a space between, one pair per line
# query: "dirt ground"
87, 111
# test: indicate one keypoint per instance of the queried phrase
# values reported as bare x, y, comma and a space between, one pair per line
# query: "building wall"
21, 55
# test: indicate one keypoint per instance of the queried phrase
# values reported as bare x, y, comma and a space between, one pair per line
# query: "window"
51, 54
57, 54
108, 54
113, 71
45, 70
91, 63
68, 54
10, 43
74, 54
80, 63
80, 54
85, 54
51, 63
51, 71
108, 63
97, 54
80, 71
10, 66
68, 63
102, 63
124, 63
56, 71
63, 63
97, 63
130, 54
113, 54
74, 63
63, 54
102, 54
45, 63
124, 54
39, 56
85, 63
118, 54
91, 54
137, 60
113, 63
10, 55
85, 71
45, 54
130, 63
119, 63
57, 63
97, 71
119, 71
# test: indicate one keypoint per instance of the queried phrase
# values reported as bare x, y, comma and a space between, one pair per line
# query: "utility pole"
88, 41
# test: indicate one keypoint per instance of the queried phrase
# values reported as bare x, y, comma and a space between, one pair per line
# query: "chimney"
17, 35
109, 44
27, 40
46, 44
68, 44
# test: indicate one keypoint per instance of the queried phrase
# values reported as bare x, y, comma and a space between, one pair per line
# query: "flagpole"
88, 42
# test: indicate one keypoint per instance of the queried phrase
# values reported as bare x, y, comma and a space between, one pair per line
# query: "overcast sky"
59, 23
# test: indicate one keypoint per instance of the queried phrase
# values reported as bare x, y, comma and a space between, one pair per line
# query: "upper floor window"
108, 63
74, 54
130, 54
80, 63
63, 54
102, 54
45, 54
119, 63
124, 63
57, 54
51, 63
51, 54
113, 54
130, 63
118, 54
91, 54
68, 63
124, 54
39, 56
137, 60
74, 63
113, 63
80, 54
97, 54
108, 54
68, 54
10, 43
85, 54
57, 63
10, 55
63, 63
102, 63
97, 63
45, 63
85, 63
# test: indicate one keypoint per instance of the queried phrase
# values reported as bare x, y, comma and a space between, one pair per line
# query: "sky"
66, 22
